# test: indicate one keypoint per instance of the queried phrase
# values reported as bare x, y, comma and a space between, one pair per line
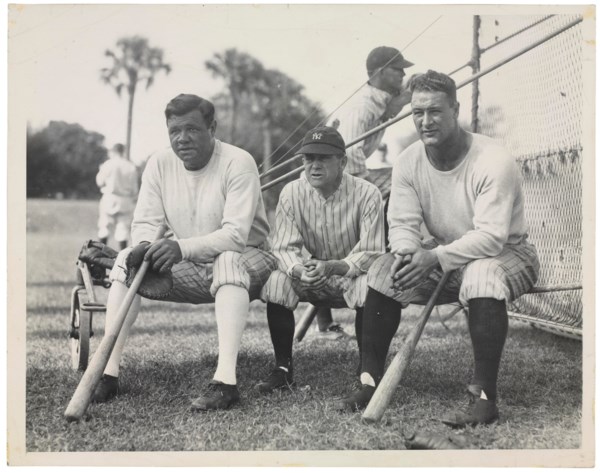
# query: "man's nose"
183, 136
426, 120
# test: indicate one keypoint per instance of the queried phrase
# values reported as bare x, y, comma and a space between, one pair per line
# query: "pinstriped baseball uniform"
475, 214
363, 112
216, 214
348, 226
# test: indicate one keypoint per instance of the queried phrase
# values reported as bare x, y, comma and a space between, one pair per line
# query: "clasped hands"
162, 254
314, 273
411, 267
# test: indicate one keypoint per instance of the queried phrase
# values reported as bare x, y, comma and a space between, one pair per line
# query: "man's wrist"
339, 267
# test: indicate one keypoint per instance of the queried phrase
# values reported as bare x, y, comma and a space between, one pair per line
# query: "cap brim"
404, 63
320, 148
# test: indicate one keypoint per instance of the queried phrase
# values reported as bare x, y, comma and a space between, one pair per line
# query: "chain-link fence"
534, 104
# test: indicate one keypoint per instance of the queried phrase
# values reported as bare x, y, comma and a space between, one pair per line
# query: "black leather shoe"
478, 411
277, 379
358, 400
106, 389
217, 395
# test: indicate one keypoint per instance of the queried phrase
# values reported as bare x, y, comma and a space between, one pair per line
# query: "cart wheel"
80, 334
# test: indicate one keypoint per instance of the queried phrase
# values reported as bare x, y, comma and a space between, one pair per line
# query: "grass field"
171, 354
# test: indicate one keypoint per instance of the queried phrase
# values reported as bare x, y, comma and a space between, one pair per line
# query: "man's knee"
228, 270
378, 277
484, 278
279, 290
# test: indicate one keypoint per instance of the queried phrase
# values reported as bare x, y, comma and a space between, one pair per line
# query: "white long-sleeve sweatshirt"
215, 209
472, 211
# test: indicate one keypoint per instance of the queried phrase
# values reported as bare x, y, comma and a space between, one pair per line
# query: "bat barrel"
386, 388
92, 375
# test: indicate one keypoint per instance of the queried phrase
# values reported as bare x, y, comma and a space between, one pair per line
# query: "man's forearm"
339, 267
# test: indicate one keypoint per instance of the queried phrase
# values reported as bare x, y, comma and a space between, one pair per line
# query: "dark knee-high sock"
324, 318
358, 326
380, 322
488, 326
281, 326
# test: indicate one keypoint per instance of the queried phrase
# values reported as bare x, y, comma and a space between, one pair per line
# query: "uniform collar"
317, 193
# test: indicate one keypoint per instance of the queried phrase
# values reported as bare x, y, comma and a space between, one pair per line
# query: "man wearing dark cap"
380, 100
338, 220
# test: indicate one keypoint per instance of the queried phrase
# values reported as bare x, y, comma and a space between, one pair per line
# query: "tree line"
261, 110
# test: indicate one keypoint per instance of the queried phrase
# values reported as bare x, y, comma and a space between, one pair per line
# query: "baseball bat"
307, 318
91, 377
383, 394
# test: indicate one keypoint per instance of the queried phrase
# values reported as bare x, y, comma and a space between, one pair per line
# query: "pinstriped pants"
504, 277
336, 293
197, 283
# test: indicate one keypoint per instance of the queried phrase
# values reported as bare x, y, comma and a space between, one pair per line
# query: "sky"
57, 52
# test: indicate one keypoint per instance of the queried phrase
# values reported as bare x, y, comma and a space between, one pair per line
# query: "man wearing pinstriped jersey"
378, 101
338, 220
466, 189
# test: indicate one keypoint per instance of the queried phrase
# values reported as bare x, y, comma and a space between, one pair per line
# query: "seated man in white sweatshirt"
208, 193
466, 189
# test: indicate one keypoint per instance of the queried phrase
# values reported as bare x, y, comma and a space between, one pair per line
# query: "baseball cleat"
217, 395
358, 400
478, 411
279, 378
333, 332
106, 389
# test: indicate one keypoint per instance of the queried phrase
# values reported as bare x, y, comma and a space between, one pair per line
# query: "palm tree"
133, 61
241, 72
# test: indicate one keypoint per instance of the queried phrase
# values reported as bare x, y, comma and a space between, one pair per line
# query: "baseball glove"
429, 441
95, 253
155, 285
98, 257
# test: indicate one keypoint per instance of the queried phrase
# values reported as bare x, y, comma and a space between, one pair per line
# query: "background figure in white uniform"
380, 100
118, 182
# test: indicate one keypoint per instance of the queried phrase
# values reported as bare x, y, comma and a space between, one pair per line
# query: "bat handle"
391, 378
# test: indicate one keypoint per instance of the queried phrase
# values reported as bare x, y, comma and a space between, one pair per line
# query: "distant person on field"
208, 192
338, 220
380, 100
466, 189
118, 182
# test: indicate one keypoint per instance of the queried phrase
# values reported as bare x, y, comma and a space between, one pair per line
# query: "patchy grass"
171, 354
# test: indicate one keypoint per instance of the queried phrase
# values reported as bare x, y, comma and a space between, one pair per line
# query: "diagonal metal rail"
402, 116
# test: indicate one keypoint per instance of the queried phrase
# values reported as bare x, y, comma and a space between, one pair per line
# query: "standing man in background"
380, 100
118, 182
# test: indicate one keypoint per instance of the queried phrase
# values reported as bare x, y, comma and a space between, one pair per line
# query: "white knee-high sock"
231, 310
115, 297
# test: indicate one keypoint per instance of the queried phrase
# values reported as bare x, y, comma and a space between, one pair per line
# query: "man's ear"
213, 128
457, 109
344, 161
